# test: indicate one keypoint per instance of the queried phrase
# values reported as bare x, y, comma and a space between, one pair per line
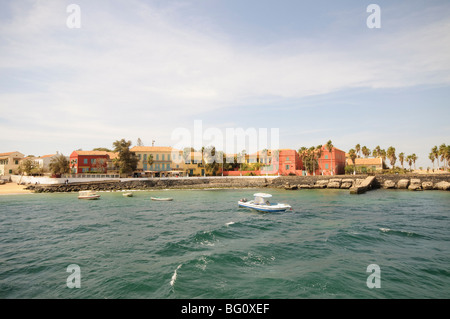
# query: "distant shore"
393, 181
13, 188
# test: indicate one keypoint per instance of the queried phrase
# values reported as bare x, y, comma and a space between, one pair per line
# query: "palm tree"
414, 159
319, 155
365, 151
401, 158
432, 158
358, 149
382, 154
435, 152
442, 150
352, 154
409, 160
329, 147
391, 155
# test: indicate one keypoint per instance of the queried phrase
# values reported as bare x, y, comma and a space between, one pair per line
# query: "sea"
384, 244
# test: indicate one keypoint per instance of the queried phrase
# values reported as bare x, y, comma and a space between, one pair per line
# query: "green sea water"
202, 245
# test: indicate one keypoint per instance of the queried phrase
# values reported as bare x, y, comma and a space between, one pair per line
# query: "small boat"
128, 194
161, 198
88, 195
261, 203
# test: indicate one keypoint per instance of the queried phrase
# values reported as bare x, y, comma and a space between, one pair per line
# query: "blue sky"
313, 69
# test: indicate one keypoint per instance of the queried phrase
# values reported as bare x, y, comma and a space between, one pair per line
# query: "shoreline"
410, 182
14, 189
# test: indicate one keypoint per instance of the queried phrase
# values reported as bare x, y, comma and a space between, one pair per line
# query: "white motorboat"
261, 203
88, 195
129, 194
162, 198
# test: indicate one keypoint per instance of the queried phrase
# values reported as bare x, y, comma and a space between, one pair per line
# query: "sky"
314, 70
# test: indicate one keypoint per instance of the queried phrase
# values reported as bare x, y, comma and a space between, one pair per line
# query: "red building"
331, 163
289, 162
88, 162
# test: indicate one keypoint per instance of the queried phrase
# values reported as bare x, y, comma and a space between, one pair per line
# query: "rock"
415, 187
415, 181
389, 184
304, 186
403, 184
334, 183
347, 183
321, 183
427, 185
445, 186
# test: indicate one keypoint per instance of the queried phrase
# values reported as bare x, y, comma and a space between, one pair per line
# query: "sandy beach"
13, 188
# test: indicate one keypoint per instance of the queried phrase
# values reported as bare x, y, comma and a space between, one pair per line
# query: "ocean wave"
399, 232
174, 276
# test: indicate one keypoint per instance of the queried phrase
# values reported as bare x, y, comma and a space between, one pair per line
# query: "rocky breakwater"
310, 182
415, 182
149, 184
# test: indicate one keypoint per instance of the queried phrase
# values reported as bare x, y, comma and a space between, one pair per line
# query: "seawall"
412, 182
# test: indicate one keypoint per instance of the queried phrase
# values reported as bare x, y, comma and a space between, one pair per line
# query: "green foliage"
59, 165
127, 160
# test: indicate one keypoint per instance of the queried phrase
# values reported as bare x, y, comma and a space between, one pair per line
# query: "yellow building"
158, 161
9, 162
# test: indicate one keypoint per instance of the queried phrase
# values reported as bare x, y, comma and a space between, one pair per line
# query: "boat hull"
265, 208
161, 199
91, 197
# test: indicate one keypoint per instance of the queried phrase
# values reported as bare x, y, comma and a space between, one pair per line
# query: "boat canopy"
263, 195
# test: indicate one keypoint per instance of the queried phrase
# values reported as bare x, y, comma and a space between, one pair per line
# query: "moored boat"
161, 198
261, 203
128, 194
88, 195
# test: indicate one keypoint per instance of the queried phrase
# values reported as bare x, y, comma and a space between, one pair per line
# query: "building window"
145, 157
163, 157
287, 158
326, 157
287, 166
93, 161
85, 161
157, 157
326, 166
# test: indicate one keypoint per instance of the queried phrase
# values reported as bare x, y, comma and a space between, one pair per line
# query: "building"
331, 163
154, 161
289, 162
43, 162
88, 162
368, 164
9, 162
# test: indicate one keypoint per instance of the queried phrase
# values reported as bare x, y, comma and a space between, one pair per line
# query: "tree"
104, 149
150, 160
435, 152
329, 147
59, 165
401, 158
358, 149
391, 155
26, 166
382, 154
432, 158
442, 153
319, 155
414, 159
211, 162
409, 161
365, 151
127, 160
352, 154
